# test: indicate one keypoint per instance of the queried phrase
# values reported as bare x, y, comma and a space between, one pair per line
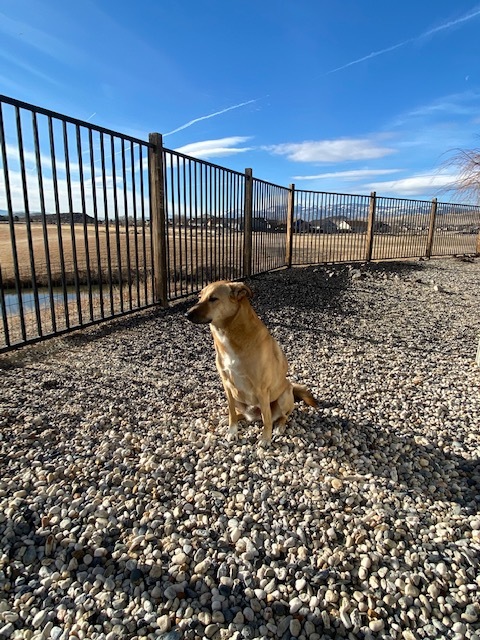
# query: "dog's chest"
230, 366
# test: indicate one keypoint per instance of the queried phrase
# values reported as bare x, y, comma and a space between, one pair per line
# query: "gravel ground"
126, 513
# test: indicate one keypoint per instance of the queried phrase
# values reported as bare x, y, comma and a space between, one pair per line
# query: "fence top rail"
271, 184
179, 154
429, 202
68, 119
459, 205
333, 193
471, 207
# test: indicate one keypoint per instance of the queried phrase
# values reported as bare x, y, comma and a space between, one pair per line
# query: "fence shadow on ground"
327, 284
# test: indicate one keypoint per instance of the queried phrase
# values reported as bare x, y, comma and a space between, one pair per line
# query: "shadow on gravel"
410, 464
320, 288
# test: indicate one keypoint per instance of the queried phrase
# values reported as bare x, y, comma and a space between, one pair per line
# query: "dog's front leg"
232, 413
266, 411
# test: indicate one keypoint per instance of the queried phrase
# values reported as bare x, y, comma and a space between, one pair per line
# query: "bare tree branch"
466, 164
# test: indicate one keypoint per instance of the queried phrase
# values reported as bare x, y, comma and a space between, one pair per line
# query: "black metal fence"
75, 243
95, 224
203, 221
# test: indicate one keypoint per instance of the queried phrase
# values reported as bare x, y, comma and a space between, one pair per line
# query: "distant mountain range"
50, 218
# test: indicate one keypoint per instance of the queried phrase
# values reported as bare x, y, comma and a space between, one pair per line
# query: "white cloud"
215, 148
358, 174
456, 104
424, 183
340, 150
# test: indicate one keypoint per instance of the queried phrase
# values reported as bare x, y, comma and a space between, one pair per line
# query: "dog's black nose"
190, 314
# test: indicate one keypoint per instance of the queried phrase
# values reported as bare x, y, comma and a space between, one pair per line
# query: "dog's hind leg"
282, 408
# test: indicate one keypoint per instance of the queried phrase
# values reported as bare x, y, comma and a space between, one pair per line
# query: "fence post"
289, 236
431, 228
370, 224
247, 224
157, 218
477, 248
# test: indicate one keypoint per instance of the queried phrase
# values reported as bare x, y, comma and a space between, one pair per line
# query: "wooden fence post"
289, 236
431, 228
247, 224
370, 226
157, 218
477, 248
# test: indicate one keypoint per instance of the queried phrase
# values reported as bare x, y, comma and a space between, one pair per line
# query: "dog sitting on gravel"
250, 361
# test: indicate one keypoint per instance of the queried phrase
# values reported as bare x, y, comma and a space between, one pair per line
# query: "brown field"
74, 247
193, 255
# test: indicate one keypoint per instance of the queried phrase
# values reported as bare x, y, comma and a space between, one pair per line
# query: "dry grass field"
193, 252
74, 246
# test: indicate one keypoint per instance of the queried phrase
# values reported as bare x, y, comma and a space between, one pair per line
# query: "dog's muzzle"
195, 315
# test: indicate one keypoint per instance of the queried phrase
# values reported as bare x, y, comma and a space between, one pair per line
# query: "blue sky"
348, 96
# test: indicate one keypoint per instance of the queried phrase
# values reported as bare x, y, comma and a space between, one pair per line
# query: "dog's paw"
233, 432
281, 426
264, 443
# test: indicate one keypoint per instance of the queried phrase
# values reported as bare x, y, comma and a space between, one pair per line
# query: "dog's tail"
300, 392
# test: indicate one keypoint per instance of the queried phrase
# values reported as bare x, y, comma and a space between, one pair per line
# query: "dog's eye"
212, 299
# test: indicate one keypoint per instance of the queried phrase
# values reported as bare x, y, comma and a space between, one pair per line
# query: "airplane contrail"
210, 115
430, 32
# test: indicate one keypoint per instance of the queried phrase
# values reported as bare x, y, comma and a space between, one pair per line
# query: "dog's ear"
240, 290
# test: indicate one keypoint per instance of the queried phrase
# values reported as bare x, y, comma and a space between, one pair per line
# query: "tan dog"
250, 361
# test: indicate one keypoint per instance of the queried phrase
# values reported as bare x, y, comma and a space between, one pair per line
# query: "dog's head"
218, 302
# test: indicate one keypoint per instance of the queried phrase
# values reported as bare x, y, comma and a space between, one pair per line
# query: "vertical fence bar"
117, 221
26, 204
107, 222
11, 223
41, 192
56, 198
289, 233
431, 228
84, 221
99, 278
126, 225
144, 227
370, 226
247, 224
135, 223
3, 305
72, 226
157, 217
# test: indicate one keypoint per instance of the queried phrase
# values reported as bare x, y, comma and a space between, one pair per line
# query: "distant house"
260, 224
323, 225
196, 223
276, 225
353, 226
381, 227
301, 226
